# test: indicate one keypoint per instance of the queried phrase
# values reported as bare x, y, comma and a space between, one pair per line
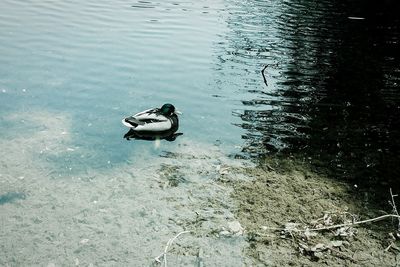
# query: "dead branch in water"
335, 226
169, 243
293, 227
356, 223
393, 204
265, 80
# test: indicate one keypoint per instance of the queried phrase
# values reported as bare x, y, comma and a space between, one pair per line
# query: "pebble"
84, 241
235, 228
225, 233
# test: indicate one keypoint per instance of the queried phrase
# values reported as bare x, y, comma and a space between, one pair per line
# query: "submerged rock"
235, 228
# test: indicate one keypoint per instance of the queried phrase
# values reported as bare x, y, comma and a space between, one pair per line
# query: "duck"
154, 123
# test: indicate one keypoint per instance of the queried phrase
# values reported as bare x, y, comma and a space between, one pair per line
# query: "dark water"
333, 75
333, 72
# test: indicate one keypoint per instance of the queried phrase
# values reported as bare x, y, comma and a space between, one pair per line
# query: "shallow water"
123, 215
98, 62
333, 72
73, 191
70, 71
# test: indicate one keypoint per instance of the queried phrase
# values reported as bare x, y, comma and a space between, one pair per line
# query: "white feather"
155, 126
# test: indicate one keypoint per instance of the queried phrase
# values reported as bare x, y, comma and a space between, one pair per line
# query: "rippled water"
70, 70
333, 73
100, 61
72, 190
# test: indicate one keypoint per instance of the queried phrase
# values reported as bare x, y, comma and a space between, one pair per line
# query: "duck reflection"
167, 135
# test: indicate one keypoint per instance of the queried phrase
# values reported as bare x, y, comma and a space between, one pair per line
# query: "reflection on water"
333, 74
98, 61
171, 136
333, 77
71, 70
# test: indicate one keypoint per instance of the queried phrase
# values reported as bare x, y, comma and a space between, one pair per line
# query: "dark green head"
167, 109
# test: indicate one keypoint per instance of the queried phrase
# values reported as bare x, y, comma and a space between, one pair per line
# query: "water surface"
333, 73
70, 71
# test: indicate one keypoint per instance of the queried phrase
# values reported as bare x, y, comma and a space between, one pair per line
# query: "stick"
337, 225
394, 207
265, 80
169, 243
356, 223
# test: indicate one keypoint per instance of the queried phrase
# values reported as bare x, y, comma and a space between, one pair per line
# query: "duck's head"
168, 110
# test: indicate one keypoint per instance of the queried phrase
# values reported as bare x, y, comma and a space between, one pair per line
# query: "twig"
337, 225
169, 243
265, 80
393, 204
276, 228
392, 245
356, 223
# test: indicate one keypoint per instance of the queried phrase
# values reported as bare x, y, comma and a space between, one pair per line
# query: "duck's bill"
178, 112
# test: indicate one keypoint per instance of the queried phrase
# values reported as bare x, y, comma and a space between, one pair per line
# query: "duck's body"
153, 123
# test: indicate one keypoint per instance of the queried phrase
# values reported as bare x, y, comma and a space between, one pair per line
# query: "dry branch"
169, 243
335, 226
356, 223
265, 80
393, 204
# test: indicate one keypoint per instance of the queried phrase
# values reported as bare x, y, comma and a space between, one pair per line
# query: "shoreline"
277, 202
126, 214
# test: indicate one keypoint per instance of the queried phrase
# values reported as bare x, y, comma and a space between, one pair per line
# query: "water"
73, 190
332, 79
71, 70
333, 73
98, 62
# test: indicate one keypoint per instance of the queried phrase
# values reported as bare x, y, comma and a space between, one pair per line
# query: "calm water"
71, 188
332, 90
98, 62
